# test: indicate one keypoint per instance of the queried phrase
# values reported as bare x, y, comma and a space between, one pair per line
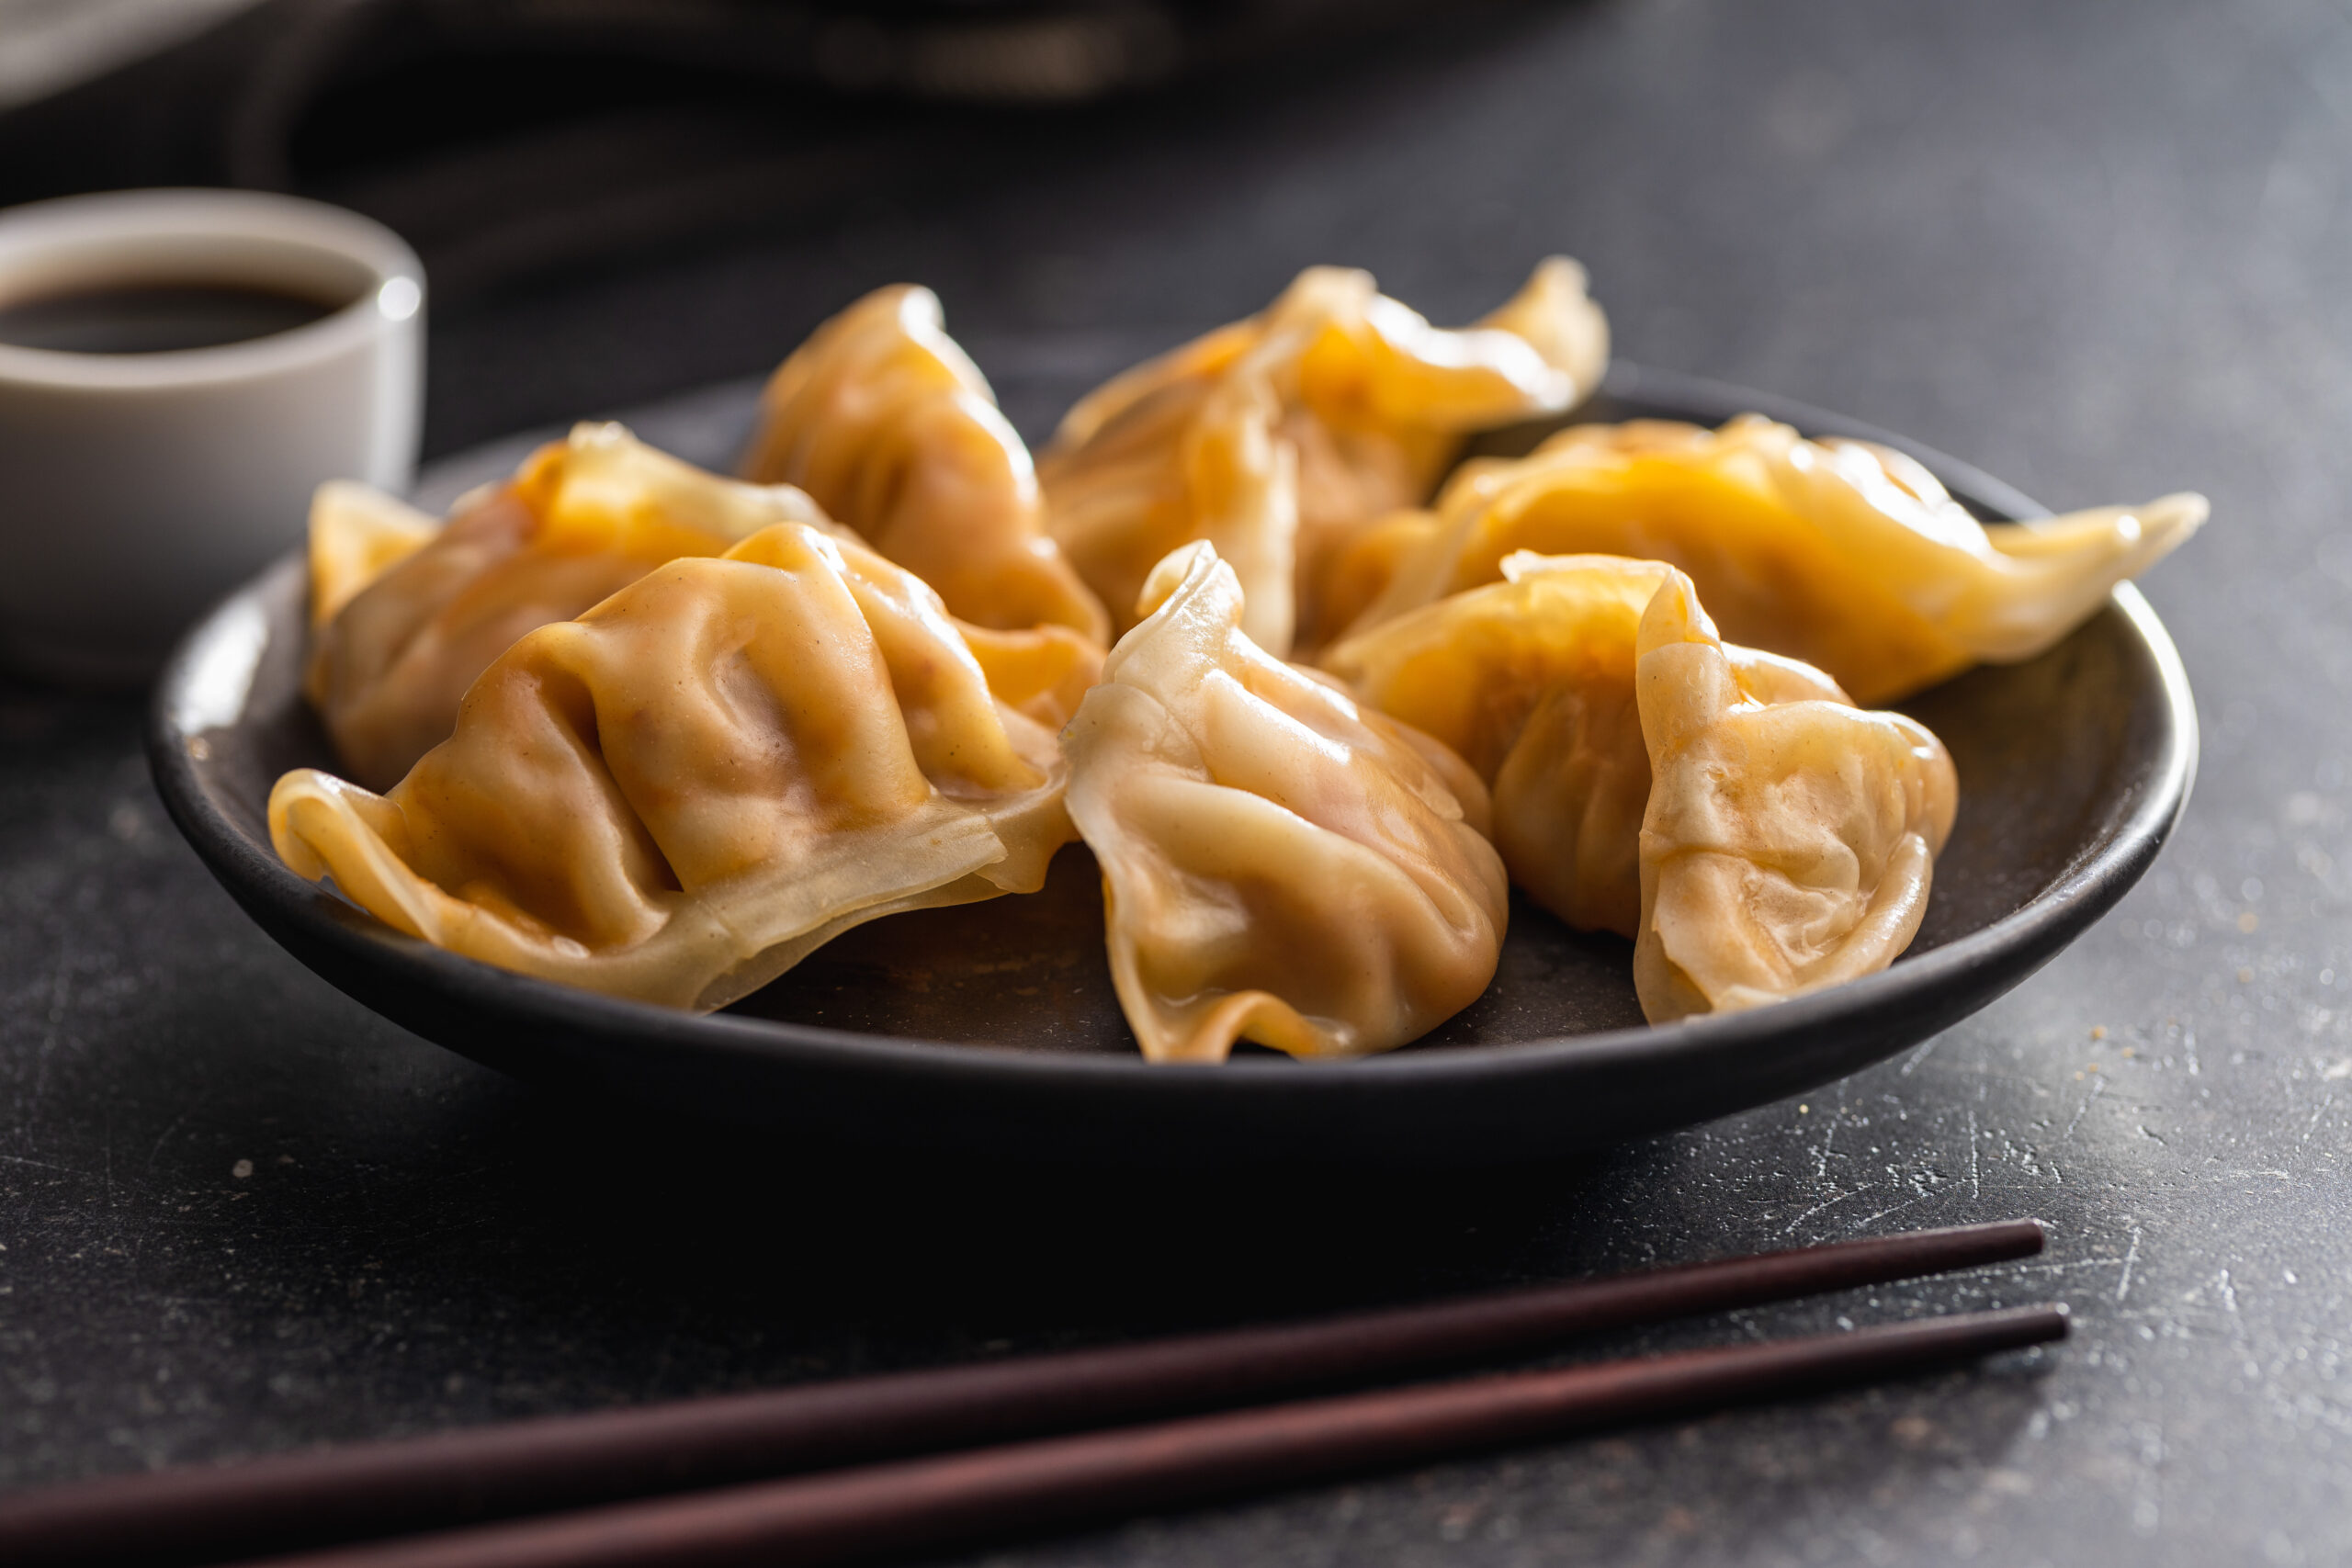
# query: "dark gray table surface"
2102, 249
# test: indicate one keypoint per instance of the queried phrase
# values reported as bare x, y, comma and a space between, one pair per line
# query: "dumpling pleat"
1788, 844
888, 425
1278, 864
411, 617
686, 790
1279, 438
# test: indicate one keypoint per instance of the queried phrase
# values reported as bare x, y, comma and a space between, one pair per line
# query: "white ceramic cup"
136, 489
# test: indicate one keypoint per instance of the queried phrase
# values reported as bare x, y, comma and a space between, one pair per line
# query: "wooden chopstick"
199, 1515
851, 1515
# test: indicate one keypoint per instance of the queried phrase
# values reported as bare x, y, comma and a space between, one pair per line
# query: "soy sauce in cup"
179, 371
162, 317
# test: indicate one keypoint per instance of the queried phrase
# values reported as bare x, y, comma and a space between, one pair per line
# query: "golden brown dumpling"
1531, 680
1788, 845
581, 519
679, 794
1278, 864
1840, 553
886, 423
1277, 437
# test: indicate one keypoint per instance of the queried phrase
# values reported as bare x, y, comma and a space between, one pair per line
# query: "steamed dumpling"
1278, 863
1789, 844
1277, 437
683, 792
1841, 553
581, 519
1531, 680
888, 425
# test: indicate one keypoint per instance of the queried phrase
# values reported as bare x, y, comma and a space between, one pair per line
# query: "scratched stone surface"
2103, 250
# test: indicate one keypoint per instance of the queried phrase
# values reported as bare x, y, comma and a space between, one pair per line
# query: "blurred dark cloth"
531, 147
512, 139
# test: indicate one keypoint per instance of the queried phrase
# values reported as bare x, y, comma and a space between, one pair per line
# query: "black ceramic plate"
993, 1026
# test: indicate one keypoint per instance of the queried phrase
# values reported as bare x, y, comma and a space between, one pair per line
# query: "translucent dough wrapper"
414, 615
358, 533
1278, 863
1531, 680
1844, 554
888, 425
1788, 845
680, 793
1277, 438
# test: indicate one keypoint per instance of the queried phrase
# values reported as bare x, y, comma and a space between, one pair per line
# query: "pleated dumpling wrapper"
1277, 437
683, 792
1788, 845
1844, 554
884, 419
408, 614
1278, 863
1531, 680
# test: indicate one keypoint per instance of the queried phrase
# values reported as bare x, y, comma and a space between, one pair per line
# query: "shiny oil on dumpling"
888, 425
1844, 554
680, 793
408, 615
1278, 863
1788, 845
1277, 437
1531, 680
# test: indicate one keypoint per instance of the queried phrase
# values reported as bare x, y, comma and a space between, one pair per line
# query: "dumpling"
358, 533
1531, 680
581, 519
680, 793
1278, 863
1372, 379
1840, 553
1788, 845
1731, 810
1359, 570
886, 423
1201, 459
1383, 399
1278, 437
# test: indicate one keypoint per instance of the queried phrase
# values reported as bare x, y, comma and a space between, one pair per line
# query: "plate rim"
2055, 916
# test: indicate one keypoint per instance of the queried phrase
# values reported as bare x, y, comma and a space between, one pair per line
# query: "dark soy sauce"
155, 318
